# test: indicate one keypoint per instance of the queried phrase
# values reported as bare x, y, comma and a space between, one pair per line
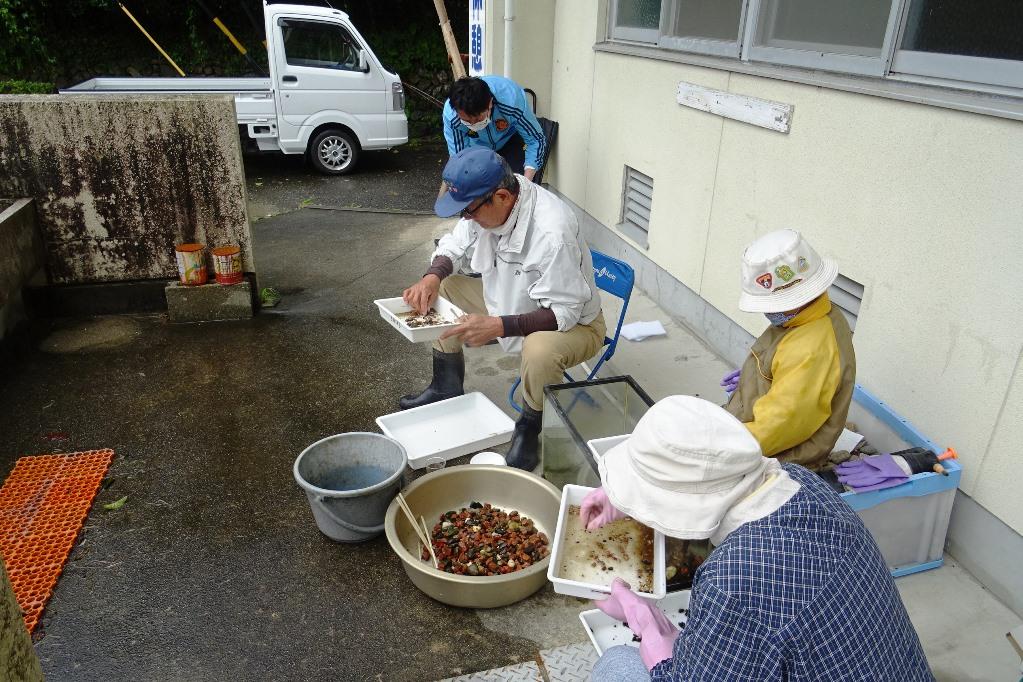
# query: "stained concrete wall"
920, 204
21, 258
119, 180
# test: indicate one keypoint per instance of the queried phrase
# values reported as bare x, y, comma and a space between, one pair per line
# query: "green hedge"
16, 87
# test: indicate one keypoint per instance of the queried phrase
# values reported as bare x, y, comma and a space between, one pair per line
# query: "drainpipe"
509, 17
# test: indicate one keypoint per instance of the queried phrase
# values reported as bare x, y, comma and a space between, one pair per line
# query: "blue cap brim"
447, 206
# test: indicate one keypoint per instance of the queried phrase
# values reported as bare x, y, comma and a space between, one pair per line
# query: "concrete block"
208, 302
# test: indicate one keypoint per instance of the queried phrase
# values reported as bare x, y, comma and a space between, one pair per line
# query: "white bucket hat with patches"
781, 272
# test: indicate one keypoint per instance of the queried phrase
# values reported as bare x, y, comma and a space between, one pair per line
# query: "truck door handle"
290, 79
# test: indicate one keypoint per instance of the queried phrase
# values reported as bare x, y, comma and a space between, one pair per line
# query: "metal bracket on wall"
759, 112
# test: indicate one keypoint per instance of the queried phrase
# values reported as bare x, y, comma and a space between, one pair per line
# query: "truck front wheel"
333, 152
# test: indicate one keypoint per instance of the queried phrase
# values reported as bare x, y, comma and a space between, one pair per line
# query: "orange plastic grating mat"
43, 504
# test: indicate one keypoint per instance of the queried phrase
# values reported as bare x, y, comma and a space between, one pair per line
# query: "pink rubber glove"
621, 596
597, 510
645, 619
654, 629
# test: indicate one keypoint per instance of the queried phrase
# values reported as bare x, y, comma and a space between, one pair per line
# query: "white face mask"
478, 126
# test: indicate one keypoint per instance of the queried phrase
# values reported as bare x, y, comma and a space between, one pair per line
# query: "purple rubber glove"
597, 510
645, 619
730, 381
871, 473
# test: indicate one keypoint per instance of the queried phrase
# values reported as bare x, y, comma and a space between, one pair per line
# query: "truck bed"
239, 86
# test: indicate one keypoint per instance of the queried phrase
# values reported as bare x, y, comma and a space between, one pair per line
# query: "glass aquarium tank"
580, 411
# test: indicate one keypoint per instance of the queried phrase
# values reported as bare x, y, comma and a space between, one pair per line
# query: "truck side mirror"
363, 62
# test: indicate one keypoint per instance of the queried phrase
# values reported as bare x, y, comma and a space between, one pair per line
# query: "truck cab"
332, 97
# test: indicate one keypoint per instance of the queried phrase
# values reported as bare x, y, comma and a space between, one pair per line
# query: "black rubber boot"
524, 452
448, 375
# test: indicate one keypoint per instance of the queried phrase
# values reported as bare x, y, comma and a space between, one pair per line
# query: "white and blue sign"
477, 35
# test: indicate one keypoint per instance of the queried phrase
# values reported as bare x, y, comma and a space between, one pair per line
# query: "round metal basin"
454, 488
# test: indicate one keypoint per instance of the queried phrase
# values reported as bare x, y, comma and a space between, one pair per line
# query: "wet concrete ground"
404, 178
214, 568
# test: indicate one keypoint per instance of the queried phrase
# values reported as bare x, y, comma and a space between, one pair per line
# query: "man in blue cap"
536, 295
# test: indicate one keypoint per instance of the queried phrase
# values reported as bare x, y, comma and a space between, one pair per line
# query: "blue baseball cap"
470, 174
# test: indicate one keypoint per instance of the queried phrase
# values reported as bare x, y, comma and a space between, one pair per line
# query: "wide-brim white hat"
685, 465
782, 272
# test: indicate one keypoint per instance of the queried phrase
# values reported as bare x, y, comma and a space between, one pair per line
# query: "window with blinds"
847, 295
637, 196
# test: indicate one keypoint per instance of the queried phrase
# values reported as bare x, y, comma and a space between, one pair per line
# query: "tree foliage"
52, 40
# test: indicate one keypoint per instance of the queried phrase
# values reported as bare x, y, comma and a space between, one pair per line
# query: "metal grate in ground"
520, 672
43, 504
571, 663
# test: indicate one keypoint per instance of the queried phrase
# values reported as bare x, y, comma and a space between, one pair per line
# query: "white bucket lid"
488, 457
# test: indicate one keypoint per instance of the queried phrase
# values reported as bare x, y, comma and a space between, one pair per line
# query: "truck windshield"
318, 44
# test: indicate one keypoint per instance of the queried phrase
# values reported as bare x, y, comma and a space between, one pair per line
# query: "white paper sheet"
637, 331
847, 441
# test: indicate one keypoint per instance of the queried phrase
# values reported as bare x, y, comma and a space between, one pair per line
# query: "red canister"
227, 263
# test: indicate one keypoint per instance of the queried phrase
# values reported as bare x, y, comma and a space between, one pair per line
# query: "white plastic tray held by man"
449, 428
574, 495
393, 310
605, 632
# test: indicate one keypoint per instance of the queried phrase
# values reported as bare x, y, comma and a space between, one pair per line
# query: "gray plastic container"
350, 479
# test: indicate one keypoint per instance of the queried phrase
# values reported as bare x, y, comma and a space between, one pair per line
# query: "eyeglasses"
471, 214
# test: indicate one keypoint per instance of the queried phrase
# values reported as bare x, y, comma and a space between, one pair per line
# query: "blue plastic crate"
909, 521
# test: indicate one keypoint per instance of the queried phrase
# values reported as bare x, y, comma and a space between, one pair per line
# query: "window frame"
359, 47
980, 73
629, 33
894, 67
823, 60
711, 46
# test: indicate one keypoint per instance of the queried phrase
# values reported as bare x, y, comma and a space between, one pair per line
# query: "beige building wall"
532, 46
921, 205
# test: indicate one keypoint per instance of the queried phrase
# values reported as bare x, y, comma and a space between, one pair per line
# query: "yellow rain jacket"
796, 385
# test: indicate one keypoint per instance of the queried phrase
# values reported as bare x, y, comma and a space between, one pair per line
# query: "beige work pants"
545, 355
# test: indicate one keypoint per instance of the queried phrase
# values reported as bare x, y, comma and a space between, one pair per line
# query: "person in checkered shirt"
795, 589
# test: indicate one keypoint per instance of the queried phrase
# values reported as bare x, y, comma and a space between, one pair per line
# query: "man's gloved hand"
730, 381
871, 473
656, 632
597, 510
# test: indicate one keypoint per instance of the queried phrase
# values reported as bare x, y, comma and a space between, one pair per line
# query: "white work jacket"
541, 262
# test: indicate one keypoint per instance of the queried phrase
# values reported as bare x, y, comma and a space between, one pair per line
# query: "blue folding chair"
616, 278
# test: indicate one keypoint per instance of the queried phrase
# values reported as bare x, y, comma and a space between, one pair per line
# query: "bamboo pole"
457, 67
155, 44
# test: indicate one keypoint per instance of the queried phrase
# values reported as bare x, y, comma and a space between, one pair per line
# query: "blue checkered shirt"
802, 594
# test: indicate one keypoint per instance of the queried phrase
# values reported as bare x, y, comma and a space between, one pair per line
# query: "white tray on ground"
449, 428
573, 495
392, 308
605, 632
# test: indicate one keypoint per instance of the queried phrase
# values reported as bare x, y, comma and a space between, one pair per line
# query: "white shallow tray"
449, 428
605, 632
390, 308
573, 495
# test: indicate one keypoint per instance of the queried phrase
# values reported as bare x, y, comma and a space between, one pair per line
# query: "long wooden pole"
153, 41
457, 67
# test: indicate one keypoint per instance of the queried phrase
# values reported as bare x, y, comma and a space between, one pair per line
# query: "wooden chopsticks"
422, 533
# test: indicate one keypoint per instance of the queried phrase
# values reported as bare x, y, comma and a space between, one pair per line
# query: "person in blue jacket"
491, 111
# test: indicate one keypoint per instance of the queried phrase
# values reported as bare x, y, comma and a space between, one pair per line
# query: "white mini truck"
328, 96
